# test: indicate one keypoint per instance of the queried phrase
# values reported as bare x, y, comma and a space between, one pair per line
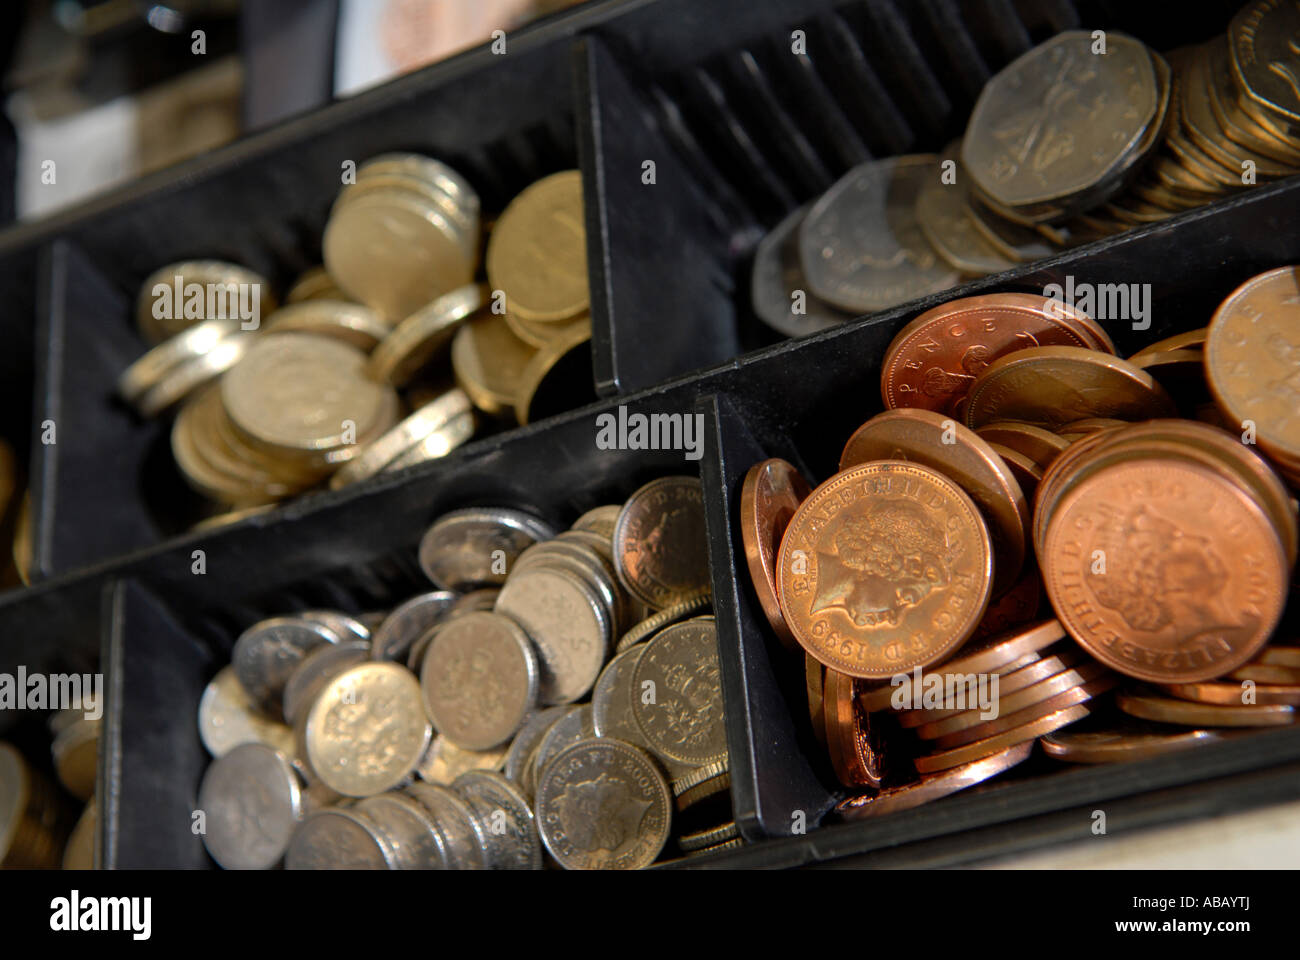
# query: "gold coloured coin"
415, 341
537, 252
489, 362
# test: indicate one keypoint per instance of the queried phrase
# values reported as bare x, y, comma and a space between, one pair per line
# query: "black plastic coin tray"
160, 629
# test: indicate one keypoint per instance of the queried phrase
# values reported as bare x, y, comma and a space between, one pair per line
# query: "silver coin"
252, 801
777, 279
316, 670
571, 728
479, 680
510, 828
477, 546
683, 720
861, 246
266, 654
603, 805
519, 757
366, 730
339, 839
407, 623
416, 841
568, 625
443, 762
611, 700
464, 834
942, 211
228, 718
586, 563
599, 520
1059, 119
348, 628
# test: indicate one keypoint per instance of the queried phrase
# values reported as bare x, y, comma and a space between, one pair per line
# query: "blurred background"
111, 89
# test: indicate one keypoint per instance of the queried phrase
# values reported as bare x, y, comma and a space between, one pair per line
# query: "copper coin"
1235, 694
946, 759
1056, 480
1164, 570
815, 685
1267, 673
1036, 670
933, 787
771, 493
659, 544
1123, 743
933, 440
1184, 440
1028, 474
1090, 425
1279, 655
934, 359
1252, 358
1018, 605
1189, 714
999, 654
884, 567
1180, 372
1191, 340
1041, 446
848, 734
872, 697
1054, 386
1072, 695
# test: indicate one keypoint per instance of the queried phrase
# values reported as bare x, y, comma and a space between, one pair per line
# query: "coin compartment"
743, 130
109, 486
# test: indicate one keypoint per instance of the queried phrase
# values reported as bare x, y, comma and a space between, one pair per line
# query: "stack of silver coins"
555, 699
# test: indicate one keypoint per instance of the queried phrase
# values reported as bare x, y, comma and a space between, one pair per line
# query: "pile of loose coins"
34, 826
1084, 136
555, 699
352, 376
1162, 534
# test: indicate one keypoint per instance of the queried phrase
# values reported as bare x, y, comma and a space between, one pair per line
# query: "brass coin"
350, 322
489, 362
562, 365
385, 449
395, 252
537, 252
938, 442
181, 295
437, 444
418, 339
1052, 386
305, 397
315, 284
181, 381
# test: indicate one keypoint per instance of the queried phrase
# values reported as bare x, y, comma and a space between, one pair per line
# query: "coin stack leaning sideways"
496, 716
914, 584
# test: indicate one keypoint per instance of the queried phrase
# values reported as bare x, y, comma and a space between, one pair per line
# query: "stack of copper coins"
1021, 463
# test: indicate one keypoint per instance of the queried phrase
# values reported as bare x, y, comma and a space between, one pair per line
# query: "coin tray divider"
759, 130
